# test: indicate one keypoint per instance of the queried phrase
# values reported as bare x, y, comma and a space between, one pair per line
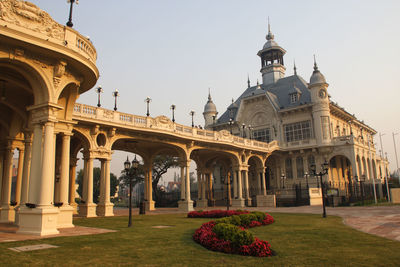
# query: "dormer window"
294, 98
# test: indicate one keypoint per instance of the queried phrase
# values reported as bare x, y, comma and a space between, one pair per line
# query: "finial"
269, 36
209, 94
258, 85
315, 64
248, 81
294, 67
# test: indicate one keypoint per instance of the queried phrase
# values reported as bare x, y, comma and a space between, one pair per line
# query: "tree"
96, 183
161, 164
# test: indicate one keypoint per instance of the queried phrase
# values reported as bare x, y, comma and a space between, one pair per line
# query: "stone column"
246, 185
88, 209
149, 203
210, 187
201, 181
1, 172
199, 185
263, 185
182, 182
26, 169
72, 179
66, 211
258, 177
105, 207
41, 220
238, 202
186, 205
7, 213
19, 176
235, 185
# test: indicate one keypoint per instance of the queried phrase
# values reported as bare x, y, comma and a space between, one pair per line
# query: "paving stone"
32, 247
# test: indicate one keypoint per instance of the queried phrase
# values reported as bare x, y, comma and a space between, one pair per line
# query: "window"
288, 168
262, 135
294, 97
300, 167
297, 131
310, 160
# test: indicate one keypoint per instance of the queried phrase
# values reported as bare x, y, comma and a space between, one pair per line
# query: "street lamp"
306, 175
99, 90
230, 125
361, 179
127, 166
227, 181
283, 177
250, 128
147, 100
191, 113
69, 23
324, 170
173, 107
115, 95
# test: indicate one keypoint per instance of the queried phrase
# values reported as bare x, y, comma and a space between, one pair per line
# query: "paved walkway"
382, 221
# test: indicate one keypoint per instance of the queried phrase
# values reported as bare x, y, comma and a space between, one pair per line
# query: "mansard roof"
278, 93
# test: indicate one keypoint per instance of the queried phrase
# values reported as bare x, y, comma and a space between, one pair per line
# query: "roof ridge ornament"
269, 36
294, 67
248, 81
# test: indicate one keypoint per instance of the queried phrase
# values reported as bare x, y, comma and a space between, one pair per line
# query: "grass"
299, 240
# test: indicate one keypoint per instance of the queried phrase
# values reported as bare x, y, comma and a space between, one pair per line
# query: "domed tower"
272, 67
319, 97
210, 112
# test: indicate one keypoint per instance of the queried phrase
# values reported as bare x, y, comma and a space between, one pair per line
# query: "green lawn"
299, 240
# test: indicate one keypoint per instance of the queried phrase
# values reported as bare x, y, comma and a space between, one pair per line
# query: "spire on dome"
209, 94
315, 64
269, 36
294, 67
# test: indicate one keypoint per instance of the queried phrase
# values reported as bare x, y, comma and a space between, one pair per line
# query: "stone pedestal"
65, 217
75, 207
87, 210
150, 205
249, 202
238, 203
315, 196
395, 195
202, 203
38, 221
105, 209
7, 214
266, 201
185, 206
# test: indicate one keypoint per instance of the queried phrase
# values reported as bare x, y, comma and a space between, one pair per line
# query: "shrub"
232, 233
214, 213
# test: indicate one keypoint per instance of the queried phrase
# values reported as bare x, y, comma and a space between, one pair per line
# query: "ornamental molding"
29, 16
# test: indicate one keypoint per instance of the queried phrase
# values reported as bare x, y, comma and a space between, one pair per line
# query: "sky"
174, 50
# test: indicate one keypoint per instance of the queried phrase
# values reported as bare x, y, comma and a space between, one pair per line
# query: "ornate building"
308, 126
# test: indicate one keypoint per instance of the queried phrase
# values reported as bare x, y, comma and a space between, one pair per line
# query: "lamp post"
191, 113
395, 152
230, 125
306, 175
69, 23
283, 177
147, 100
115, 95
173, 107
99, 90
361, 179
227, 181
383, 153
249, 131
127, 166
324, 170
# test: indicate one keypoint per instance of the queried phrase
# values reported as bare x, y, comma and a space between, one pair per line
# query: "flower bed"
215, 213
231, 236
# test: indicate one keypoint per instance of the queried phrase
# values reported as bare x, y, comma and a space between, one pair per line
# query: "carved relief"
29, 16
59, 69
163, 122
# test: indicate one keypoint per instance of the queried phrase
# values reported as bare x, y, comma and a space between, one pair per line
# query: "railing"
163, 124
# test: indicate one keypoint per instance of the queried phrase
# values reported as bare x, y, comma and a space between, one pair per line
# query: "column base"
105, 209
75, 207
266, 201
202, 203
249, 202
7, 214
65, 217
38, 221
149, 205
238, 203
87, 210
185, 205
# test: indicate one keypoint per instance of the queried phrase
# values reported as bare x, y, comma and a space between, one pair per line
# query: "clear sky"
174, 50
